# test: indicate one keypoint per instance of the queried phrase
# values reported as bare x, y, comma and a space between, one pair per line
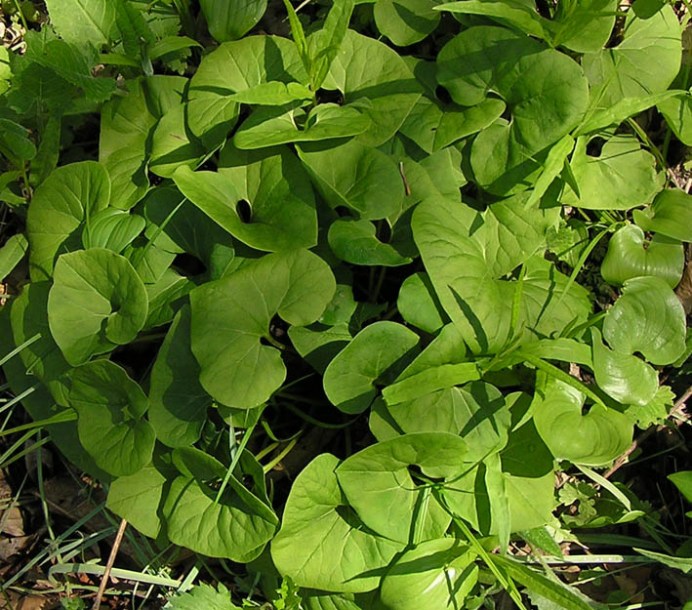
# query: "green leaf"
677, 111
514, 13
231, 318
406, 22
203, 596
83, 21
376, 80
378, 484
5, 70
683, 481
374, 357
631, 255
622, 376
356, 242
273, 93
59, 206
670, 214
15, 144
232, 20
645, 62
233, 68
178, 402
238, 526
112, 229
271, 183
435, 574
96, 303
543, 108
356, 176
684, 564
172, 146
621, 177
272, 126
11, 253
418, 304
647, 318
110, 408
593, 439
137, 497
324, 44
322, 543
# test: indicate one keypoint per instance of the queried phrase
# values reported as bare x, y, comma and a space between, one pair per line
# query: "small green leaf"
83, 21
232, 20
670, 214
112, 229
110, 408
356, 242
630, 255
324, 44
96, 303
419, 305
375, 356
683, 481
11, 253
647, 318
15, 144
406, 22
203, 596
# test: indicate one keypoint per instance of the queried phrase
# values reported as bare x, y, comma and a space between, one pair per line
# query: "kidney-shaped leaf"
647, 318
630, 255
593, 439
58, 208
435, 574
322, 543
97, 302
110, 408
279, 211
238, 526
379, 486
376, 355
231, 318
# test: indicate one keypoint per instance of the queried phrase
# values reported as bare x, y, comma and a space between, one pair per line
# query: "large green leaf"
172, 144
646, 61
322, 543
110, 408
647, 318
356, 176
374, 357
435, 574
593, 439
406, 22
670, 214
356, 242
379, 486
621, 177
231, 318
232, 68
232, 20
112, 229
178, 402
238, 526
631, 255
418, 304
375, 79
96, 303
59, 207
271, 184
543, 108
83, 21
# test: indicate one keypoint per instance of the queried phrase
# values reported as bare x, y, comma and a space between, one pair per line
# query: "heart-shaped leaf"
231, 318
647, 318
631, 255
97, 302
378, 484
110, 408
374, 357
322, 543
59, 206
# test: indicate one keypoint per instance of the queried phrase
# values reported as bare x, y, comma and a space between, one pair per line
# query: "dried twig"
622, 460
109, 566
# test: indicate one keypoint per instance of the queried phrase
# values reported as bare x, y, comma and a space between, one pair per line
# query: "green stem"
284, 452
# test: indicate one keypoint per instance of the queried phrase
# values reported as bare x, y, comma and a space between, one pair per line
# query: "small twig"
109, 565
622, 460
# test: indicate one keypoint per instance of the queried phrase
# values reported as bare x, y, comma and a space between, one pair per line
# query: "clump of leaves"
370, 226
